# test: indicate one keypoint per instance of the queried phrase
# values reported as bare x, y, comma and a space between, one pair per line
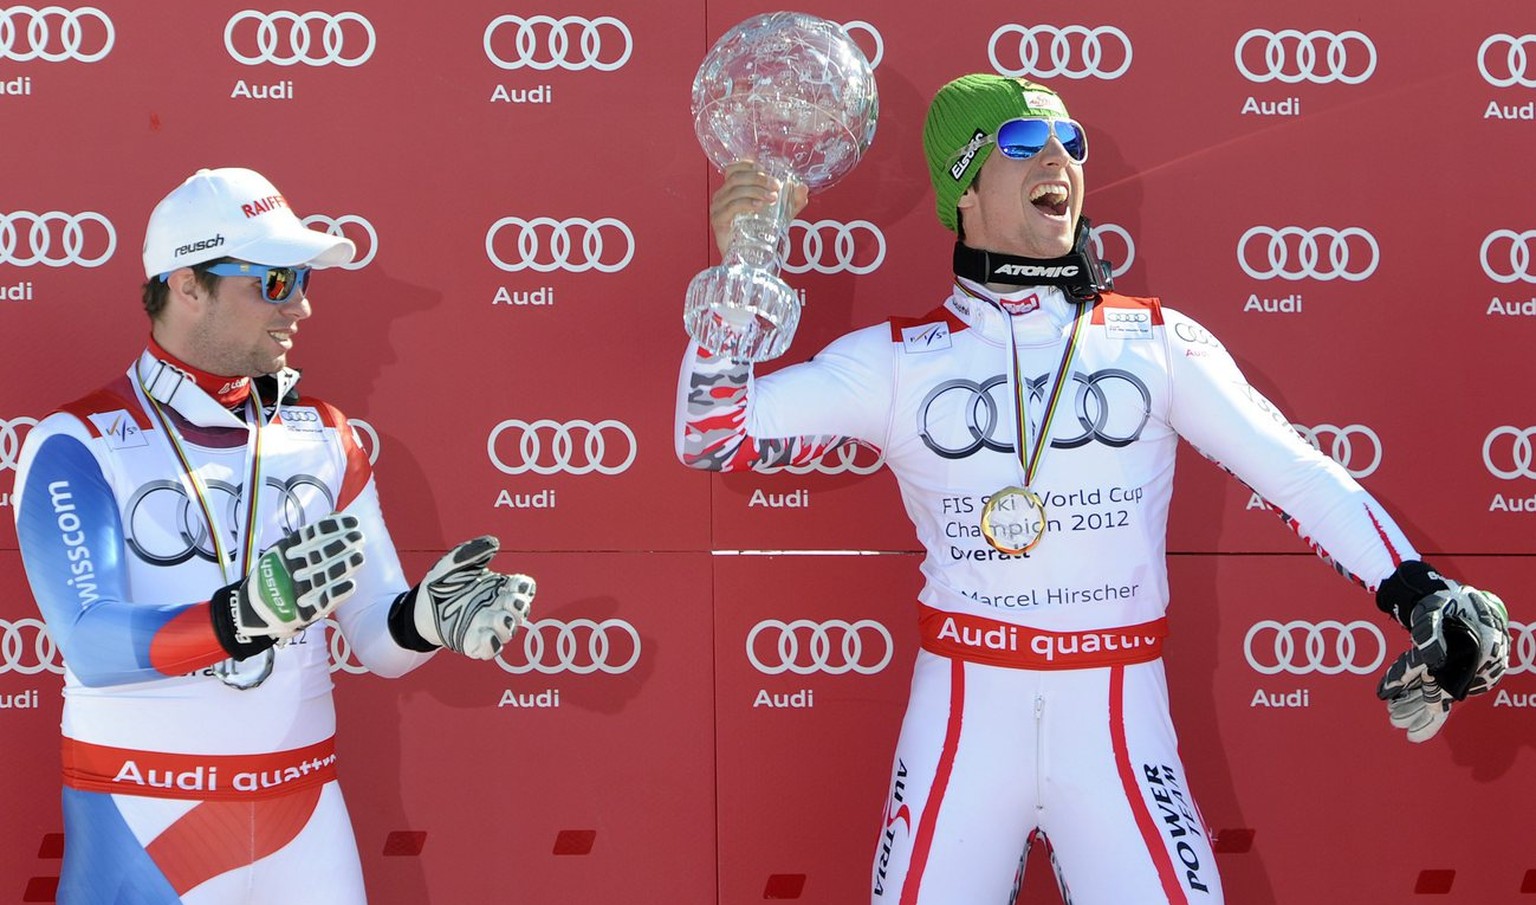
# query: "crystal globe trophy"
792, 92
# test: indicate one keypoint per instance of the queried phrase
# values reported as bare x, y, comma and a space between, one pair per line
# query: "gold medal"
1013, 520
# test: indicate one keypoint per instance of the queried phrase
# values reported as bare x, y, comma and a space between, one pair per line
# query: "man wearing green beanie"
955, 143
1031, 421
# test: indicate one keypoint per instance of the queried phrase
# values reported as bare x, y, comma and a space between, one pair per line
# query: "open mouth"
1050, 200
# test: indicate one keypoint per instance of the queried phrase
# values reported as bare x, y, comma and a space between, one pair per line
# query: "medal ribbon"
1031, 453
200, 490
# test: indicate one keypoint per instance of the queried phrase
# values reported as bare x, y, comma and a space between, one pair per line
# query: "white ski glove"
464, 606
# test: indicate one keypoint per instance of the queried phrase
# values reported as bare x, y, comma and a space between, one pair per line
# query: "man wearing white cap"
183, 529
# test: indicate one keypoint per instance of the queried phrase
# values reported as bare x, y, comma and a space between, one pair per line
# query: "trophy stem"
759, 240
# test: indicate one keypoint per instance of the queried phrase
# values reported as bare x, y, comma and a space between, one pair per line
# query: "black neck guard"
1079, 272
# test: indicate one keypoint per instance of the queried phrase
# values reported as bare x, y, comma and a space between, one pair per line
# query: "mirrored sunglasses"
278, 284
1021, 139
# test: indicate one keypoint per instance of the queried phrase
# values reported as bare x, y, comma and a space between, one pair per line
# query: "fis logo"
118, 430
926, 338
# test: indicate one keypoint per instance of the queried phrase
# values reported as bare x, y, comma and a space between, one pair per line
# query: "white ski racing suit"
1039, 705
180, 787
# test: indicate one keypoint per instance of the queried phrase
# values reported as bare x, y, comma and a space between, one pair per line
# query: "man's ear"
184, 287
966, 201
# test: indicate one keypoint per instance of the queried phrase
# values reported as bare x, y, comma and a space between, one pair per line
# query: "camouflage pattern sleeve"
712, 421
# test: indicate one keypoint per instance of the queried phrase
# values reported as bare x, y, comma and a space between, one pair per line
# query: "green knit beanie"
971, 108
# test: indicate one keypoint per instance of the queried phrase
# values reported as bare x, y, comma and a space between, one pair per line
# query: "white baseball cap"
232, 212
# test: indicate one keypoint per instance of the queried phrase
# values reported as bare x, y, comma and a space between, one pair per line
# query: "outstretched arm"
1460, 635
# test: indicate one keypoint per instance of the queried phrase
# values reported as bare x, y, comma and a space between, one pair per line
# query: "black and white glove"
1460, 647
293, 584
462, 605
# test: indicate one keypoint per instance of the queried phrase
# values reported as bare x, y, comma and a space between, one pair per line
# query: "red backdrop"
1342, 197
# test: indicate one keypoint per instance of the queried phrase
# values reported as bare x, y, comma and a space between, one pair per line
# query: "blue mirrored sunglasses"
278, 284
1021, 139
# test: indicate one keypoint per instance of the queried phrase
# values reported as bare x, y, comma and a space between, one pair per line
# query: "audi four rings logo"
166, 527
1293, 56
28, 34
312, 38
1329, 647
340, 650
1075, 51
580, 646
1512, 459
1196, 334
337, 226
1519, 257
1293, 253
828, 246
56, 239
1502, 59
570, 42
366, 437
834, 647
1346, 446
1522, 648
849, 458
605, 245
27, 648
1124, 261
548, 447
12, 433
960, 417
